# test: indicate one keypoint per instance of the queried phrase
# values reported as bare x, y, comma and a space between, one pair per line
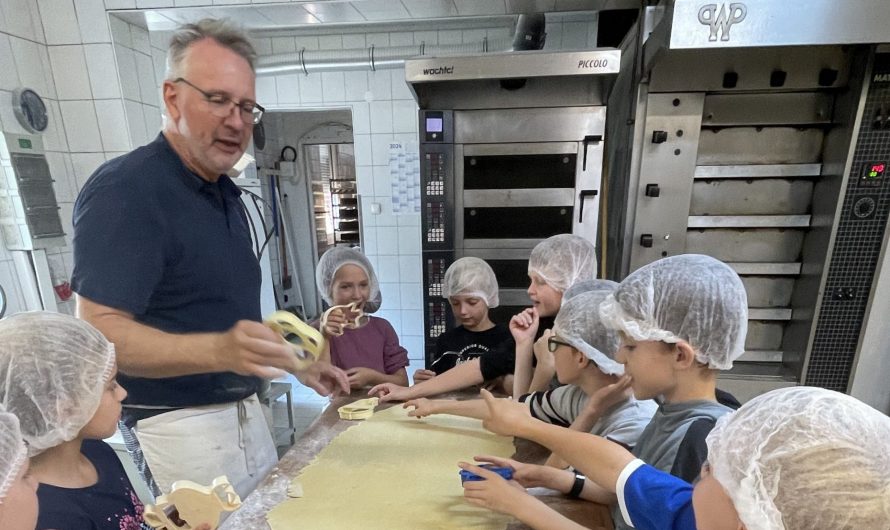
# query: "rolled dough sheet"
394, 472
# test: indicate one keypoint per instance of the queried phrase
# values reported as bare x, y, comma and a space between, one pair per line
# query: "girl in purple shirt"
370, 352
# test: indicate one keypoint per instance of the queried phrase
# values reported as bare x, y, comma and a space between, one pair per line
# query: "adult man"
164, 267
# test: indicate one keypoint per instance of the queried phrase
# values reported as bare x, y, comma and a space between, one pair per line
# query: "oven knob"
653, 190
646, 240
659, 137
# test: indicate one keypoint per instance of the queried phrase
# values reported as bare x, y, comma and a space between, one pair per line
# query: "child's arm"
562, 480
601, 401
510, 498
461, 376
545, 368
469, 408
599, 459
523, 326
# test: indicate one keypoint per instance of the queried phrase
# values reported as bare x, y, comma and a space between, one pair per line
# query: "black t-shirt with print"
460, 345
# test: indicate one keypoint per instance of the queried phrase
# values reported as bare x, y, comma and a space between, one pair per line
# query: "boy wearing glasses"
595, 398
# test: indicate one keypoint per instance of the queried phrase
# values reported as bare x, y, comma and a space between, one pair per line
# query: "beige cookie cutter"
189, 505
360, 319
359, 410
307, 341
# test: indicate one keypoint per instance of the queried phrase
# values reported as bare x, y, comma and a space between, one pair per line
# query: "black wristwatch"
575, 492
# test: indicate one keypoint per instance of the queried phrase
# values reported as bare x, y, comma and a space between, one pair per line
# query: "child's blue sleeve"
650, 499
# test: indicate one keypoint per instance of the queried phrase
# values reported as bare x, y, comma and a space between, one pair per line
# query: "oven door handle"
581, 196
595, 139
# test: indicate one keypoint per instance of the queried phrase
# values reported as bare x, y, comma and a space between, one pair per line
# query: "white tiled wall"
42, 47
140, 65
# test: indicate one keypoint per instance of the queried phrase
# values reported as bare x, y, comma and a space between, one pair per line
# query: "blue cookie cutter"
505, 472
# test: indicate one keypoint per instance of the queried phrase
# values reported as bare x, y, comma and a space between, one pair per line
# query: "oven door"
511, 196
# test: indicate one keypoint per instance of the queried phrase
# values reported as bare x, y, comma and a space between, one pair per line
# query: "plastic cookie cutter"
306, 340
189, 505
359, 410
469, 476
353, 316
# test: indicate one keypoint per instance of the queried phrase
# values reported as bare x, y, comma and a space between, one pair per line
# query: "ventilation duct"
529, 34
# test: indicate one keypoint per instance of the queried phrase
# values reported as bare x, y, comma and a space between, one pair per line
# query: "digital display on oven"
434, 125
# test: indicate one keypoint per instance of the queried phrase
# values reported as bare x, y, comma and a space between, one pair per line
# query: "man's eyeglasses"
553, 343
221, 105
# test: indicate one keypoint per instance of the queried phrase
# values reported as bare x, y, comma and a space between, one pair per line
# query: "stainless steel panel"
749, 221
514, 297
746, 388
759, 23
703, 70
566, 124
769, 313
523, 148
670, 165
761, 356
586, 198
772, 269
513, 65
574, 91
766, 245
768, 292
752, 145
750, 171
751, 197
518, 198
764, 335
785, 108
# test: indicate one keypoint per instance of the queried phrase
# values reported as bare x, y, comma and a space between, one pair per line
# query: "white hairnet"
804, 458
690, 297
335, 258
578, 323
587, 286
562, 260
12, 452
471, 277
53, 371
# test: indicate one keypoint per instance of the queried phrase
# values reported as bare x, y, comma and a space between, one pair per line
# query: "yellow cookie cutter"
307, 341
359, 320
189, 504
358, 410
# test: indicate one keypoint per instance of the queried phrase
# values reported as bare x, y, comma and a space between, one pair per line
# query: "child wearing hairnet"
798, 458
681, 320
471, 289
595, 398
18, 491
57, 375
370, 353
554, 266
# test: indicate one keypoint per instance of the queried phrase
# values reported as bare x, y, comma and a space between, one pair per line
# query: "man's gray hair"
223, 31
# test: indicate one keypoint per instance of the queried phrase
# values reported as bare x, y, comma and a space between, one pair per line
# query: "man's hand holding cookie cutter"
307, 342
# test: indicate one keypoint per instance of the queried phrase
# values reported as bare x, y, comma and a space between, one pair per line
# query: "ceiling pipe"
529, 34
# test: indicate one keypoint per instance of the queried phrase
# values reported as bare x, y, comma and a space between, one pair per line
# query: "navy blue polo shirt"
156, 240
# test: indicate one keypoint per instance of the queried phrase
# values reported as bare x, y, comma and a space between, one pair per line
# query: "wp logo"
721, 21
